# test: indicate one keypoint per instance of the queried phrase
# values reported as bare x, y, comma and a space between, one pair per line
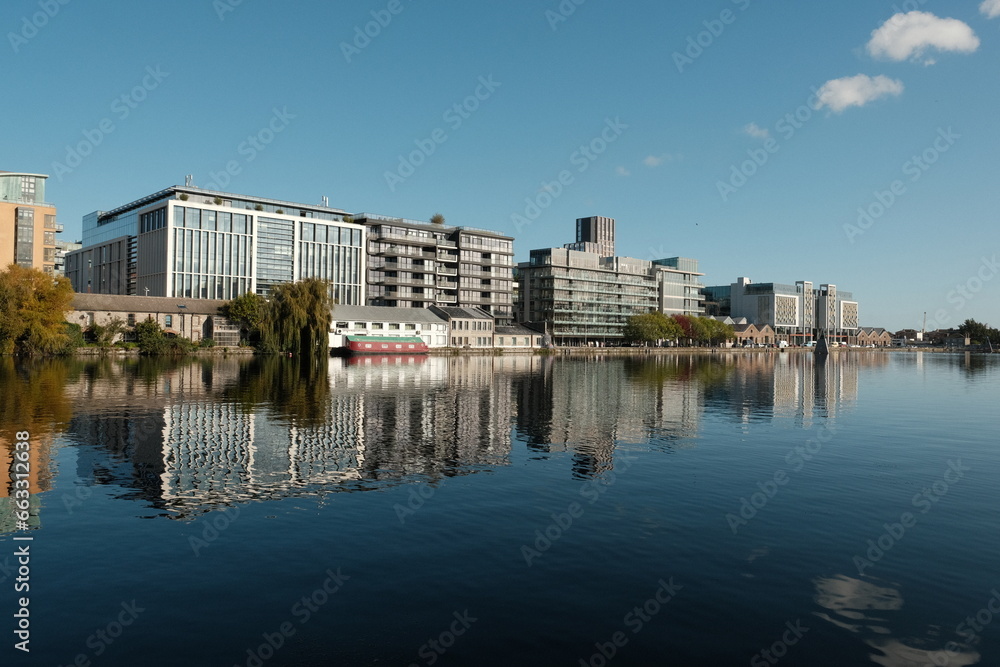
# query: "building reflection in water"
193, 435
866, 609
268, 427
32, 400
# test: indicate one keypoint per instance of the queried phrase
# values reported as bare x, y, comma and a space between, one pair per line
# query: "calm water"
749, 510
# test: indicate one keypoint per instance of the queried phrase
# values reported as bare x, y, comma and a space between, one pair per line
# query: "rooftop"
463, 313
168, 193
111, 303
384, 314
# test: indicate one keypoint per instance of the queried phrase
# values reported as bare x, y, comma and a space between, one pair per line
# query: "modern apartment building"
798, 313
595, 234
581, 293
581, 297
28, 224
414, 264
187, 242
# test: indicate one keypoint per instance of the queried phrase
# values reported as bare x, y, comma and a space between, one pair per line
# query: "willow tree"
33, 309
298, 318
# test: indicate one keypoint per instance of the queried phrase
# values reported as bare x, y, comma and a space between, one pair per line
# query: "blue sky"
653, 114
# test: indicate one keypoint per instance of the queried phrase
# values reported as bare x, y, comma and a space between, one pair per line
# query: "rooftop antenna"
189, 180
923, 329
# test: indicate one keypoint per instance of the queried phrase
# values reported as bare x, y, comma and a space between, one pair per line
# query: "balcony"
447, 257
444, 271
446, 298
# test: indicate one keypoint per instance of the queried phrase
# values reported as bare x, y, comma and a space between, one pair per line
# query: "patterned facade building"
798, 313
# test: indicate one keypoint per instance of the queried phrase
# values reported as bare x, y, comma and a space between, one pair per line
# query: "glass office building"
194, 243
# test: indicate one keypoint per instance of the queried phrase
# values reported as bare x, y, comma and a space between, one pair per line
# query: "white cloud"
653, 161
908, 36
856, 91
622, 171
757, 131
990, 8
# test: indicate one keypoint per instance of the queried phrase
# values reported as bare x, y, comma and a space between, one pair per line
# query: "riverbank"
647, 351
134, 352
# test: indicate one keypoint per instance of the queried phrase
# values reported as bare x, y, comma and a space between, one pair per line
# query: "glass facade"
195, 243
212, 252
22, 188
275, 253
24, 240
582, 296
333, 254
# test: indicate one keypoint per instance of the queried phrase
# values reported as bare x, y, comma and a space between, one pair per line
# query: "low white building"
387, 322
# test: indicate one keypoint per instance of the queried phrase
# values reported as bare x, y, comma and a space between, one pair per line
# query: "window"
130, 319
360, 325
168, 320
377, 325
28, 189
394, 326
411, 327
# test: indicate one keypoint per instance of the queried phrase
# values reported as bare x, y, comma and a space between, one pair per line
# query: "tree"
105, 334
298, 318
33, 309
977, 332
642, 328
437, 219
716, 331
692, 328
650, 328
248, 311
151, 338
